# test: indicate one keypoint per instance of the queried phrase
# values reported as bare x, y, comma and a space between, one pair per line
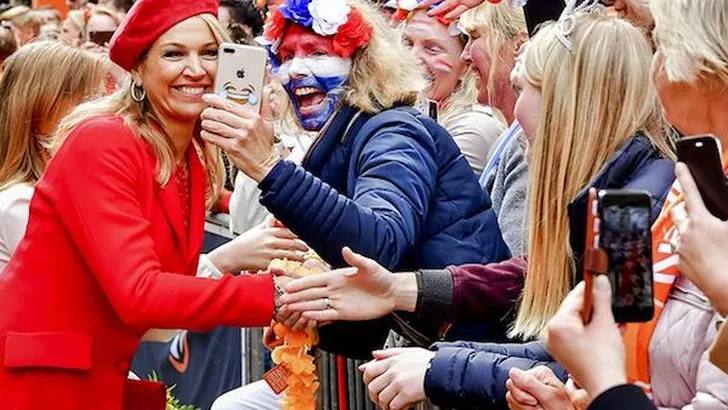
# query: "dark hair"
244, 12
124, 5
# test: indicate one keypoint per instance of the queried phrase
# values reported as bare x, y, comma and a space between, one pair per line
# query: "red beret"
148, 20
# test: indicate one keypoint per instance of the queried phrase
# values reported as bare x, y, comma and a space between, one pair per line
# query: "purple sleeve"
482, 292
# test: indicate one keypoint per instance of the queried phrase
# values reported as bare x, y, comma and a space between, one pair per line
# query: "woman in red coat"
116, 227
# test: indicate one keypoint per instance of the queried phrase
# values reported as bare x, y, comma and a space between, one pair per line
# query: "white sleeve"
246, 212
13, 223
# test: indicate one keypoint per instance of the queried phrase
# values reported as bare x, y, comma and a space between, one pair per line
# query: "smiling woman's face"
179, 68
312, 74
438, 51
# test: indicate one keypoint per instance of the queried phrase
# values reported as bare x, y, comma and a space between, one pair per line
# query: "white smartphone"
241, 74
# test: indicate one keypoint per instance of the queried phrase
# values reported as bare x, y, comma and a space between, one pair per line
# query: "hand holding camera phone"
619, 244
703, 156
241, 75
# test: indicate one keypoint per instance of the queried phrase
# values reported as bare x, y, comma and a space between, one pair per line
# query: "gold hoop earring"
138, 93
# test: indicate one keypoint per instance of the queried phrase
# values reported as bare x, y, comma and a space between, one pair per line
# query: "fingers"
456, 12
300, 324
444, 7
514, 405
314, 281
519, 396
387, 353
374, 369
529, 384
602, 315
289, 245
285, 254
282, 233
224, 117
376, 386
693, 199
312, 305
222, 129
400, 402
323, 317
358, 261
223, 143
574, 302
294, 299
291, 320
215, 101
387, 395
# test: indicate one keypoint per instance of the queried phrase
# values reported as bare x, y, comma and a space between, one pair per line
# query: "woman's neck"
180, 134
717, 120
505, 101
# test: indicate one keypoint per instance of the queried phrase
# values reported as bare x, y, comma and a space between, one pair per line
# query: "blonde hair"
41, 80
78, 18
461, 100
692, 37
105, 11
141, 118
385, 73
501, 25
593, 99
20, 16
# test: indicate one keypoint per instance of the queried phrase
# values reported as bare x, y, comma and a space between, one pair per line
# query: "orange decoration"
290, 348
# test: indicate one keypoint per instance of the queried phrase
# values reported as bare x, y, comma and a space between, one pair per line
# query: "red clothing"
106, 258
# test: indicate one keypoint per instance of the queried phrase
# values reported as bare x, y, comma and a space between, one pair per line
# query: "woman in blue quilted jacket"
380, 178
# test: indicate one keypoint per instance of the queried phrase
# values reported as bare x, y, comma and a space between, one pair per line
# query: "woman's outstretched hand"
363, 292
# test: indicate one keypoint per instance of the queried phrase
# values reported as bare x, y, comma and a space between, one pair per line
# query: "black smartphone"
101, 38
625, 236
702, 155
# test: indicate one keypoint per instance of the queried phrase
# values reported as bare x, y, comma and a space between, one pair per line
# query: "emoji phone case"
241, 74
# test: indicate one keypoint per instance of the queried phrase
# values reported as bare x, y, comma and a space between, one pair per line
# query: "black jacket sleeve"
625, 397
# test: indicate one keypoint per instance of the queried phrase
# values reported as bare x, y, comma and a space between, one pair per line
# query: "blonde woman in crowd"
42, 83
573, 146
496, 32
24, 22
73, 28
691, 75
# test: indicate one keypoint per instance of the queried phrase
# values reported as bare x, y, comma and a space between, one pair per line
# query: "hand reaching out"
538, 388
452, 9
396, 377
363, 292
254, 250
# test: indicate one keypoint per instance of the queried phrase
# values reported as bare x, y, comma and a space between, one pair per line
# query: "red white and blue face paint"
312, 74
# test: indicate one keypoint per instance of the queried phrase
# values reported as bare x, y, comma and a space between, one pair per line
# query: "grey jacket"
507, 184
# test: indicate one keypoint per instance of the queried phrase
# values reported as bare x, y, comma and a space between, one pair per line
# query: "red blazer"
105, 258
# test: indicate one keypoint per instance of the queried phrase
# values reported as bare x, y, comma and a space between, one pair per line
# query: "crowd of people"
436, 155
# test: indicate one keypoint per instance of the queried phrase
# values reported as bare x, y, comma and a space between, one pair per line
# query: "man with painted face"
381, 178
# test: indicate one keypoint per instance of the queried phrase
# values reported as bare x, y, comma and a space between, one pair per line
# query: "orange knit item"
290, 348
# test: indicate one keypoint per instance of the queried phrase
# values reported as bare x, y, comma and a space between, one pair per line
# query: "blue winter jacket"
392, 186
473, 375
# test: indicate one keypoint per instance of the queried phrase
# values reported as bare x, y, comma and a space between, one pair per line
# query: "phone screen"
625, 235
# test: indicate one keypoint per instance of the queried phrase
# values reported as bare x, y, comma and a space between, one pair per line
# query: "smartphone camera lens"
228, 50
